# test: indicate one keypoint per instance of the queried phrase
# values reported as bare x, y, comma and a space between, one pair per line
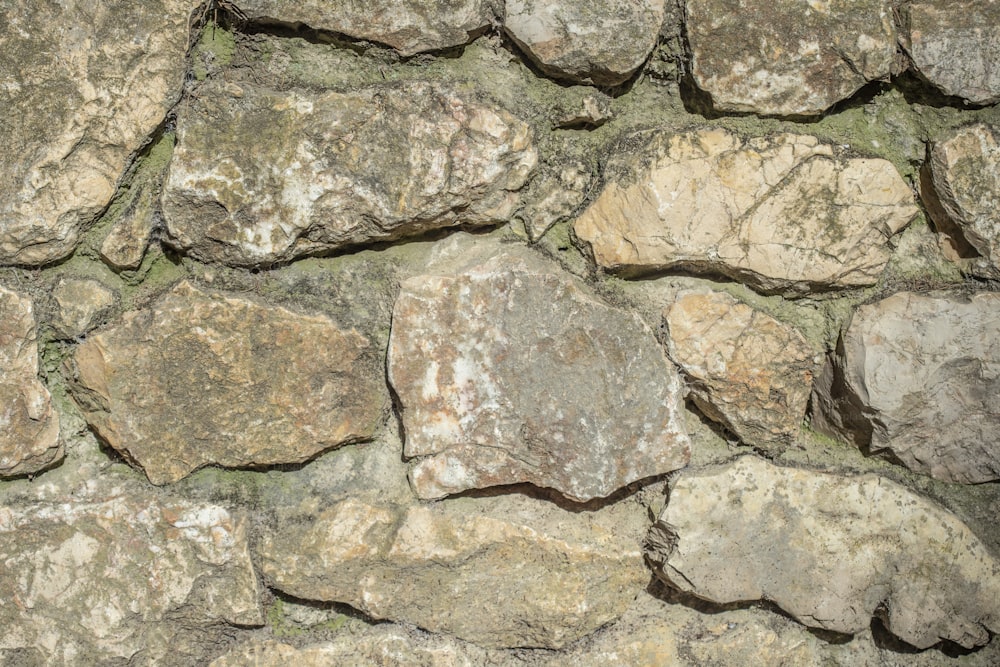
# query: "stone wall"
584, 332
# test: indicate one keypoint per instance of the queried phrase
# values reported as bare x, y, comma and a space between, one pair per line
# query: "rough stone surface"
556, 194
830, 550
582, 401
29, 427
788, 57
590, 41
203, 378
750, 372
90, 580
327, 170
126, 243
954, 45
782, 213
80, 305
409, 26
82, 85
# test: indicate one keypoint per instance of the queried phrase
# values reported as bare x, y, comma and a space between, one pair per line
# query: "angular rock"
409, 26
82, 86
206, 379
830, 550
955, 46
494, 582
783, 213
93, 580
750, 372
29, 427
788, 57
581, 400
556, 193
328, 170
589, 41
80, 304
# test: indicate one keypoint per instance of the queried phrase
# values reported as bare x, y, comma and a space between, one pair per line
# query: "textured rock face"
329, 170
582, 401
489, 581
750, 372
925, 373
82, 85
29, 427
829, 550
788, 57
781, 213
590, 41
409, 26
202, 378
95, 579
80, 303
955, 46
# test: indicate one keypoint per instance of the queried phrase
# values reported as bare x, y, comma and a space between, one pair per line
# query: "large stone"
92, 580
783, 213
954, 45
788, 57
750, 372
590, 41
29, 427
328, 170
82, 85
830, 550
201, 378
409, 26
581, 400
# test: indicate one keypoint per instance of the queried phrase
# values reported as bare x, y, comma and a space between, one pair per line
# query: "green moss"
215, 48
279, 624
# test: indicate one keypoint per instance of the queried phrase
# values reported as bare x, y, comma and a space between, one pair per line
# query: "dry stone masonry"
500, 332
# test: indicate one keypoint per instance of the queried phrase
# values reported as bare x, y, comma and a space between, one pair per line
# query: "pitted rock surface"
202, 378
781, 213
580, 399
830, 550
328, 170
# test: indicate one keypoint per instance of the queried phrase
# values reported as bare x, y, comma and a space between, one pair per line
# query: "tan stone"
80, 304
555, 194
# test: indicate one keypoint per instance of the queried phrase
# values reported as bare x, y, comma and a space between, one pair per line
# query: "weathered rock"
590, 41
830, 550
955, 46
409, 26
88, 581
29, 427
494, 582
80, 304
750, 372
783, 213
922, 373
202, 378
556, 194
82, 86
326, 170
582, 401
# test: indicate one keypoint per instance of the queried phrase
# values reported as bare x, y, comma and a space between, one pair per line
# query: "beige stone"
555, 194
80, 305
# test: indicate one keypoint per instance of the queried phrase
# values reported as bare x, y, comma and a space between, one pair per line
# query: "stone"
748, 371
95, 579
409, 26
601, 42
954, 45
783, 213
29, 427
496, 582
203, 378
556, 194
830, 550
582, 401
83, 85
80, 305
788, 57
327, 171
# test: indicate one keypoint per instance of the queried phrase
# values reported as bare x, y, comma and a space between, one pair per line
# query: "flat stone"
781, 213
80, 305
830, 550
588, 41
749, 372
955, 46
201, 378
409, 26
582, 400
29, 427
82, 86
